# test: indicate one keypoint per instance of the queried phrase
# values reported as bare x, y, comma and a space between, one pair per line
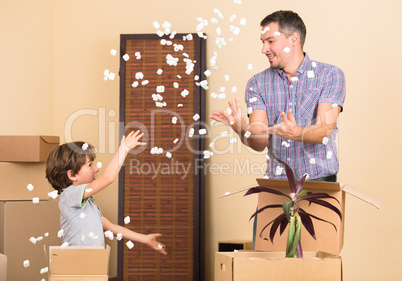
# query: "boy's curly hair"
65, 157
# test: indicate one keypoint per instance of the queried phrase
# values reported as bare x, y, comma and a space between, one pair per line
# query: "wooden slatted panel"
162, 202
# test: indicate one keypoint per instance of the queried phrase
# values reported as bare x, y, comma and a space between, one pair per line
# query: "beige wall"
53, 54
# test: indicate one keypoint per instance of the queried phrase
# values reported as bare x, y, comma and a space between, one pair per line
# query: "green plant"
293, 215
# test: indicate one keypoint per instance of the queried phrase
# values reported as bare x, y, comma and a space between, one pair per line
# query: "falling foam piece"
32, 240
139, 75
234, 89
111, 76
286, 50
221, 96
265, 30
277, 33
135, 84
285, 144
325, 141
180, 105
46, 269
65, 244
85, 146
35, 200
249, 110
127, 220
88, 189
159, 71
250, 66
130, 244
227, 77
184, 93
119, 236
247, 134
189, 37
113, 52
207, 154
224, 134
99, 165
212, 144
168, 154
126, 57
294, 79
174, 119
160, 89
334, 105
313, 64
234, 140
243, 21
252, 100
109, 234
310, 74
60, 233
312, 161
214, 95
26, 263
175, 85
82, 215
145, 82
156, 24
53, 194
218, 31
30, 187
196, 117
229, 111
278, 170
207, 72
160, 33
214, 20
202, 131
160, 246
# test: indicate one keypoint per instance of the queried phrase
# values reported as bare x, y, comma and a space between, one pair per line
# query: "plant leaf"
259, 189
317, 218
286, 208
311, 195
289, 175
291, 233
284, 224
275, 226
264, 208
300, 184
327, 205
303, 192
268, 224
307, 223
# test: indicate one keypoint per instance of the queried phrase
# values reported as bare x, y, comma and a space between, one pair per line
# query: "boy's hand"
157, 246
132, 140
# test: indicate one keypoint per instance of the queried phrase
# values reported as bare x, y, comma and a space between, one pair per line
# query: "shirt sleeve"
74, 195
334, 90
253, 97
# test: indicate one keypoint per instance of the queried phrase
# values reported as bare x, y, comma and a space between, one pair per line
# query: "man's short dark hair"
289, 22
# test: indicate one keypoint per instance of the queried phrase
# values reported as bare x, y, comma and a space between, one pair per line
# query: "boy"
71, 171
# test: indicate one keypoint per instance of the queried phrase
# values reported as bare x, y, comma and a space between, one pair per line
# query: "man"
293, 106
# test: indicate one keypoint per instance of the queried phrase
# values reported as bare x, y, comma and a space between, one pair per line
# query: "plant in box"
293, 215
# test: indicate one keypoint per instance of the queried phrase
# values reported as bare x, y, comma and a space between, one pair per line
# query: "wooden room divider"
161, 187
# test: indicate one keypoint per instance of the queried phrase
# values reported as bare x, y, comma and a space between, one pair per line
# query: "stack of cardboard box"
321, 259
27, 229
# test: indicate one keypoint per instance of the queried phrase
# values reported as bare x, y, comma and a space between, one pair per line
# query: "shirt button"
288, 159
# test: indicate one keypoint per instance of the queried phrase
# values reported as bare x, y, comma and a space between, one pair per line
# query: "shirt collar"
302, 67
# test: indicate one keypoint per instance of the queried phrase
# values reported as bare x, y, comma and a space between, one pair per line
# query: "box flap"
349, 189
310, 185
79, 260
51, 139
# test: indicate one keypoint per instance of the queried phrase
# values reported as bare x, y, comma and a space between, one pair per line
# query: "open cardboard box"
320, 255
26, 148
79, 263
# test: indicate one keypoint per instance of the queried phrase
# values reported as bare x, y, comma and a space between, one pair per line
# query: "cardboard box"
328, 239
321, 260
19, 221
15, 178
231, 245
79, 263
3, 267
262, 266
26, 148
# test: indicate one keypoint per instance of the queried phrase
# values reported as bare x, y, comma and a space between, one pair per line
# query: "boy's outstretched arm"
113, 168
128, 234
